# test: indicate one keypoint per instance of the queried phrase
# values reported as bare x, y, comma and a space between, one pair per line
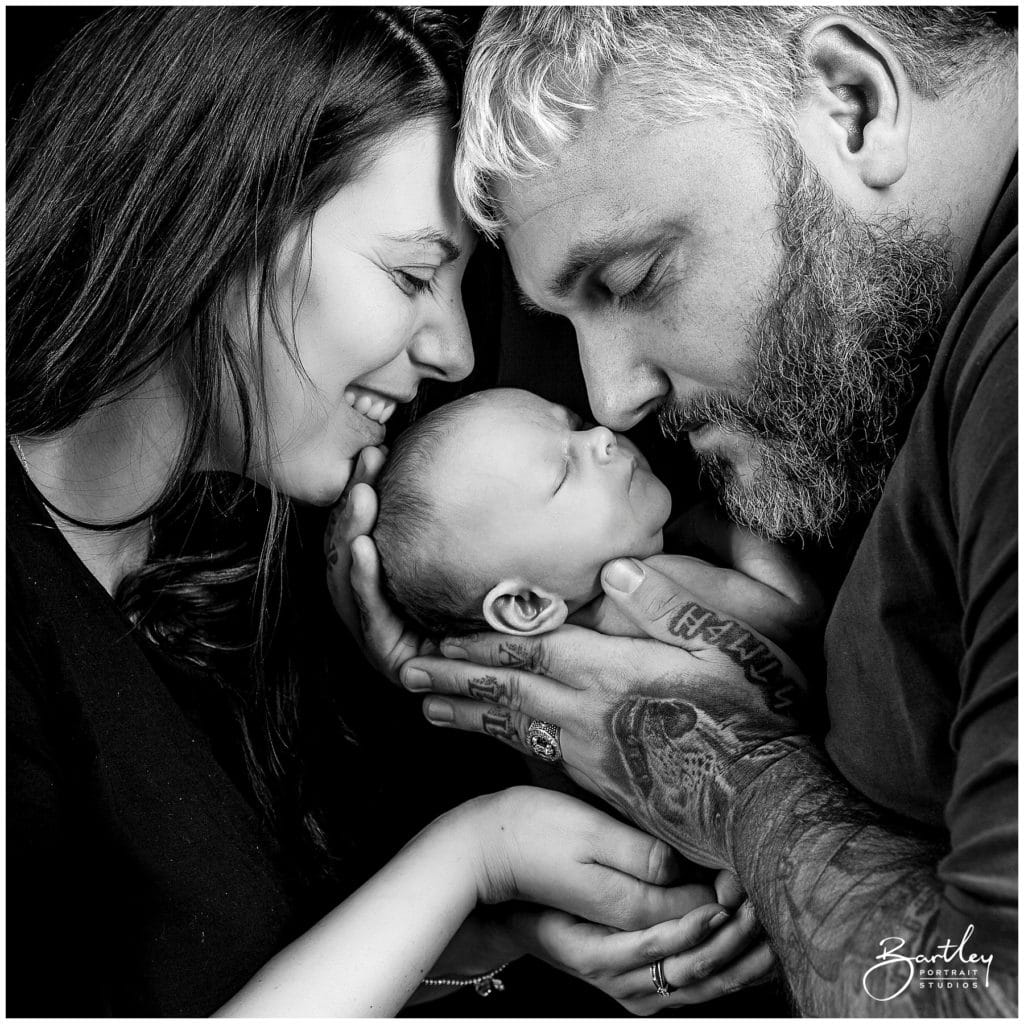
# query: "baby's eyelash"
567, 463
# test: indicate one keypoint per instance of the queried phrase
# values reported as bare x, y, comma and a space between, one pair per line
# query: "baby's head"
500, 509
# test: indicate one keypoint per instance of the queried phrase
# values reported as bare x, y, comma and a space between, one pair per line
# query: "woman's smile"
373, 405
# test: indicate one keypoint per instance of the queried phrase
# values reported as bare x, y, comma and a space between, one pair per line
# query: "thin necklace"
143, 517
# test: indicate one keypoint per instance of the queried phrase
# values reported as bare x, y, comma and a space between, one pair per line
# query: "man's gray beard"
852, 316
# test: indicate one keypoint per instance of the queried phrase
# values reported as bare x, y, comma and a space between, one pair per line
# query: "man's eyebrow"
431, 236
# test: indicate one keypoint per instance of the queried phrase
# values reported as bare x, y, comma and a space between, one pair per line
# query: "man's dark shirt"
922, 643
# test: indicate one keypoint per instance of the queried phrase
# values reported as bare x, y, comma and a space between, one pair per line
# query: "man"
791, 234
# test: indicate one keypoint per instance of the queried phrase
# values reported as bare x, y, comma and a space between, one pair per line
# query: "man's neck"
963, 147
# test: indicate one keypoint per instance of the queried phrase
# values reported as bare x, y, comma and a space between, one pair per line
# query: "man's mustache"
679, 416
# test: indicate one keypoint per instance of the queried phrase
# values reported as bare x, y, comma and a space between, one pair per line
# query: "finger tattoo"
754, 658
517, 655
494, 690
498, 723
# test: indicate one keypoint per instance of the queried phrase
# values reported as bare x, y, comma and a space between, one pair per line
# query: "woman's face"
372, 301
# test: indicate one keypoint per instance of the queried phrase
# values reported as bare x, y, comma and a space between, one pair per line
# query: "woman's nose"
601, 442
442, 348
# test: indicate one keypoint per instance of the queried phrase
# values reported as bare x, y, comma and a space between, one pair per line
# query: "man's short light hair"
536, 71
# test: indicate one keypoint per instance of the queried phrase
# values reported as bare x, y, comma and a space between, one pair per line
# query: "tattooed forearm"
829, 876
849, 899
666, 754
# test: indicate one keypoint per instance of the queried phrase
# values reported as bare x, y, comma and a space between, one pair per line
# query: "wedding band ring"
661, 986
543, 740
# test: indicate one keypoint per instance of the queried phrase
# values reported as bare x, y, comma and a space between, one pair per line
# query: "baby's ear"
517, 608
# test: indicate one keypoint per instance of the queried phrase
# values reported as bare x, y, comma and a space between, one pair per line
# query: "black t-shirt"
922, 642
142, 878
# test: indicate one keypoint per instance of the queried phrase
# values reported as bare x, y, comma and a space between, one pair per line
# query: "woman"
233, 250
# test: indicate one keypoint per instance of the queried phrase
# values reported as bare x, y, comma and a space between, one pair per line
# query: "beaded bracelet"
484, 984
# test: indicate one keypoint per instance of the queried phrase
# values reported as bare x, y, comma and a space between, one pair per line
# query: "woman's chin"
318, 488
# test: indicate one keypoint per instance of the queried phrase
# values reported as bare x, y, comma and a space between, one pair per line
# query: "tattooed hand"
669, 732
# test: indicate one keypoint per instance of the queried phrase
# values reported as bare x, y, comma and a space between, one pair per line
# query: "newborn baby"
499, 510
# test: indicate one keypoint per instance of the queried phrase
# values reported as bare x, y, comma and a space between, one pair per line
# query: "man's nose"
442, 347
601, 443
622, 386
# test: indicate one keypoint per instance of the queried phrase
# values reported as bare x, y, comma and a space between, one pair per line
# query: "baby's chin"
587, 591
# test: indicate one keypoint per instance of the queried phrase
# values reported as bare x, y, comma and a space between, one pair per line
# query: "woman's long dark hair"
168, 152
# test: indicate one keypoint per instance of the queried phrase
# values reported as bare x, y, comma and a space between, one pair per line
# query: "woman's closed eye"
415, 280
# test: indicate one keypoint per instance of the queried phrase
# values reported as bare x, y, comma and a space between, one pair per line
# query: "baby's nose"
602, 442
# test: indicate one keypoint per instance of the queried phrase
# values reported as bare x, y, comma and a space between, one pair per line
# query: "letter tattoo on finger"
495, 691
516, 655
498, 723
754, 658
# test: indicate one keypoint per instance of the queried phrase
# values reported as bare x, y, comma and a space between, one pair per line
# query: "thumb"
729, 890
653, 602
665, 610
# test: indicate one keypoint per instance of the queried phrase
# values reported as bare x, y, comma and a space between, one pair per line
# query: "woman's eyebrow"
431, 236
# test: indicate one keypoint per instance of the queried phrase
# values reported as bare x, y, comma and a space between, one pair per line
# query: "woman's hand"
354, 576
550, 848
703, 955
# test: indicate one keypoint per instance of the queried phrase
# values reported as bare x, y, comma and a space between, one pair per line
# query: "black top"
142, 879
922, 642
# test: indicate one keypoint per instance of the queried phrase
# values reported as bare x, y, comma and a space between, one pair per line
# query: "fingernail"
415, 679
439, 711
624, 575
452, 650
720, 918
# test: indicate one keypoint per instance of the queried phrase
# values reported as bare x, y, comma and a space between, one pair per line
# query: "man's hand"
669, 733
354, 576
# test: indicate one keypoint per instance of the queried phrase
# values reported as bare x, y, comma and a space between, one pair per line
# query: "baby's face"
536, 494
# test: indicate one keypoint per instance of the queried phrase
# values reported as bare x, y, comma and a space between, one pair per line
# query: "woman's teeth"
373, 407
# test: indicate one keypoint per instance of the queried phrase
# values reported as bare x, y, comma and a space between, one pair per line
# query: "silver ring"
543, 740
661, 986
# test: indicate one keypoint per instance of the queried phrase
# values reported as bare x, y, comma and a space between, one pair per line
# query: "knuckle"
659, 863
702, 967
652, 950
660, 604
514, 692
521, 729
733, 985
522, 654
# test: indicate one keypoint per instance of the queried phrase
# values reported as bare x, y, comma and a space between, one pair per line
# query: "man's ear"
515, 607
854, 118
